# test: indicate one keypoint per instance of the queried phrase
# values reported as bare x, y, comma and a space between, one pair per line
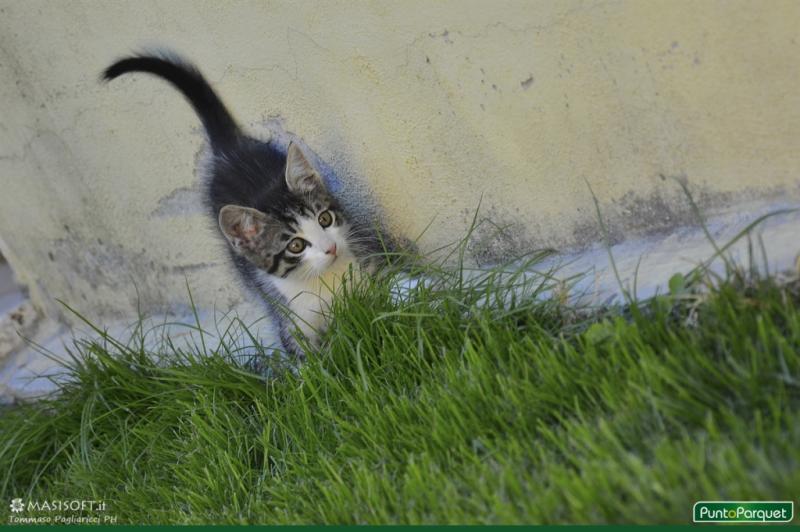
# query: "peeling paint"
182, 201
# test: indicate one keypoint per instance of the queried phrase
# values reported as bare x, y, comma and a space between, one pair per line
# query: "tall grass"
447, 396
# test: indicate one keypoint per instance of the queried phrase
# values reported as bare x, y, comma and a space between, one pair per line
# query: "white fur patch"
310, 288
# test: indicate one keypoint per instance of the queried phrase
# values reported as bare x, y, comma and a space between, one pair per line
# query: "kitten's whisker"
359, 233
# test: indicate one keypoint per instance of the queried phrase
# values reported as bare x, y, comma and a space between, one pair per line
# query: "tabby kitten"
288, 237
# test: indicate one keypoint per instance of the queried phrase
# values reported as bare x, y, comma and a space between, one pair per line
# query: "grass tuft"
464, 397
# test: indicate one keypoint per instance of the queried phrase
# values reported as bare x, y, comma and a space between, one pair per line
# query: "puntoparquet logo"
743, 511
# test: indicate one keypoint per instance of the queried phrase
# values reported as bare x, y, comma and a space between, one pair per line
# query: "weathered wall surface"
428, 107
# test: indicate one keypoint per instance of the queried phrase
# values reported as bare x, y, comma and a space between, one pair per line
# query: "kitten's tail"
218, 122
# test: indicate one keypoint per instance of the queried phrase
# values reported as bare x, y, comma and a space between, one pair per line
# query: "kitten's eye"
325, 218
296, 245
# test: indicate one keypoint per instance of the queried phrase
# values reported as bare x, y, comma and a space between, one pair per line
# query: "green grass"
458, 404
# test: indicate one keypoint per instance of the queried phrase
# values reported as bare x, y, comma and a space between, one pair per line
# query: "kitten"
288, 238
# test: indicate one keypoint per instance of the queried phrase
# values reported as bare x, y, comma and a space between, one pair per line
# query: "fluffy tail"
218, 122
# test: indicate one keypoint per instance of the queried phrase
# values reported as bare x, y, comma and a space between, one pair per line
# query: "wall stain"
501, 236
527, 83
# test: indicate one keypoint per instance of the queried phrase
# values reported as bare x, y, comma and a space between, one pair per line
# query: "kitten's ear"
243, 227
301, 177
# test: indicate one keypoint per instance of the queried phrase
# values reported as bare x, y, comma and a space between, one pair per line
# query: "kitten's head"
301, 233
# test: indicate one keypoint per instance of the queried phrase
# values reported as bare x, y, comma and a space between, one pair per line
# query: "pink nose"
331, 250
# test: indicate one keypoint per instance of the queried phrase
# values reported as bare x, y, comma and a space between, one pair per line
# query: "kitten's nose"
331, 250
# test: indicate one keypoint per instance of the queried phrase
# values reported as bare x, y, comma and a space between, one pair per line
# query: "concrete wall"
426, 107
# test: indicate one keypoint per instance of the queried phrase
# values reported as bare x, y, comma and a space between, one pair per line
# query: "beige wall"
427, 106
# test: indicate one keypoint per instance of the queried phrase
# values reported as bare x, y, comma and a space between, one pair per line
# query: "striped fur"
262, 200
